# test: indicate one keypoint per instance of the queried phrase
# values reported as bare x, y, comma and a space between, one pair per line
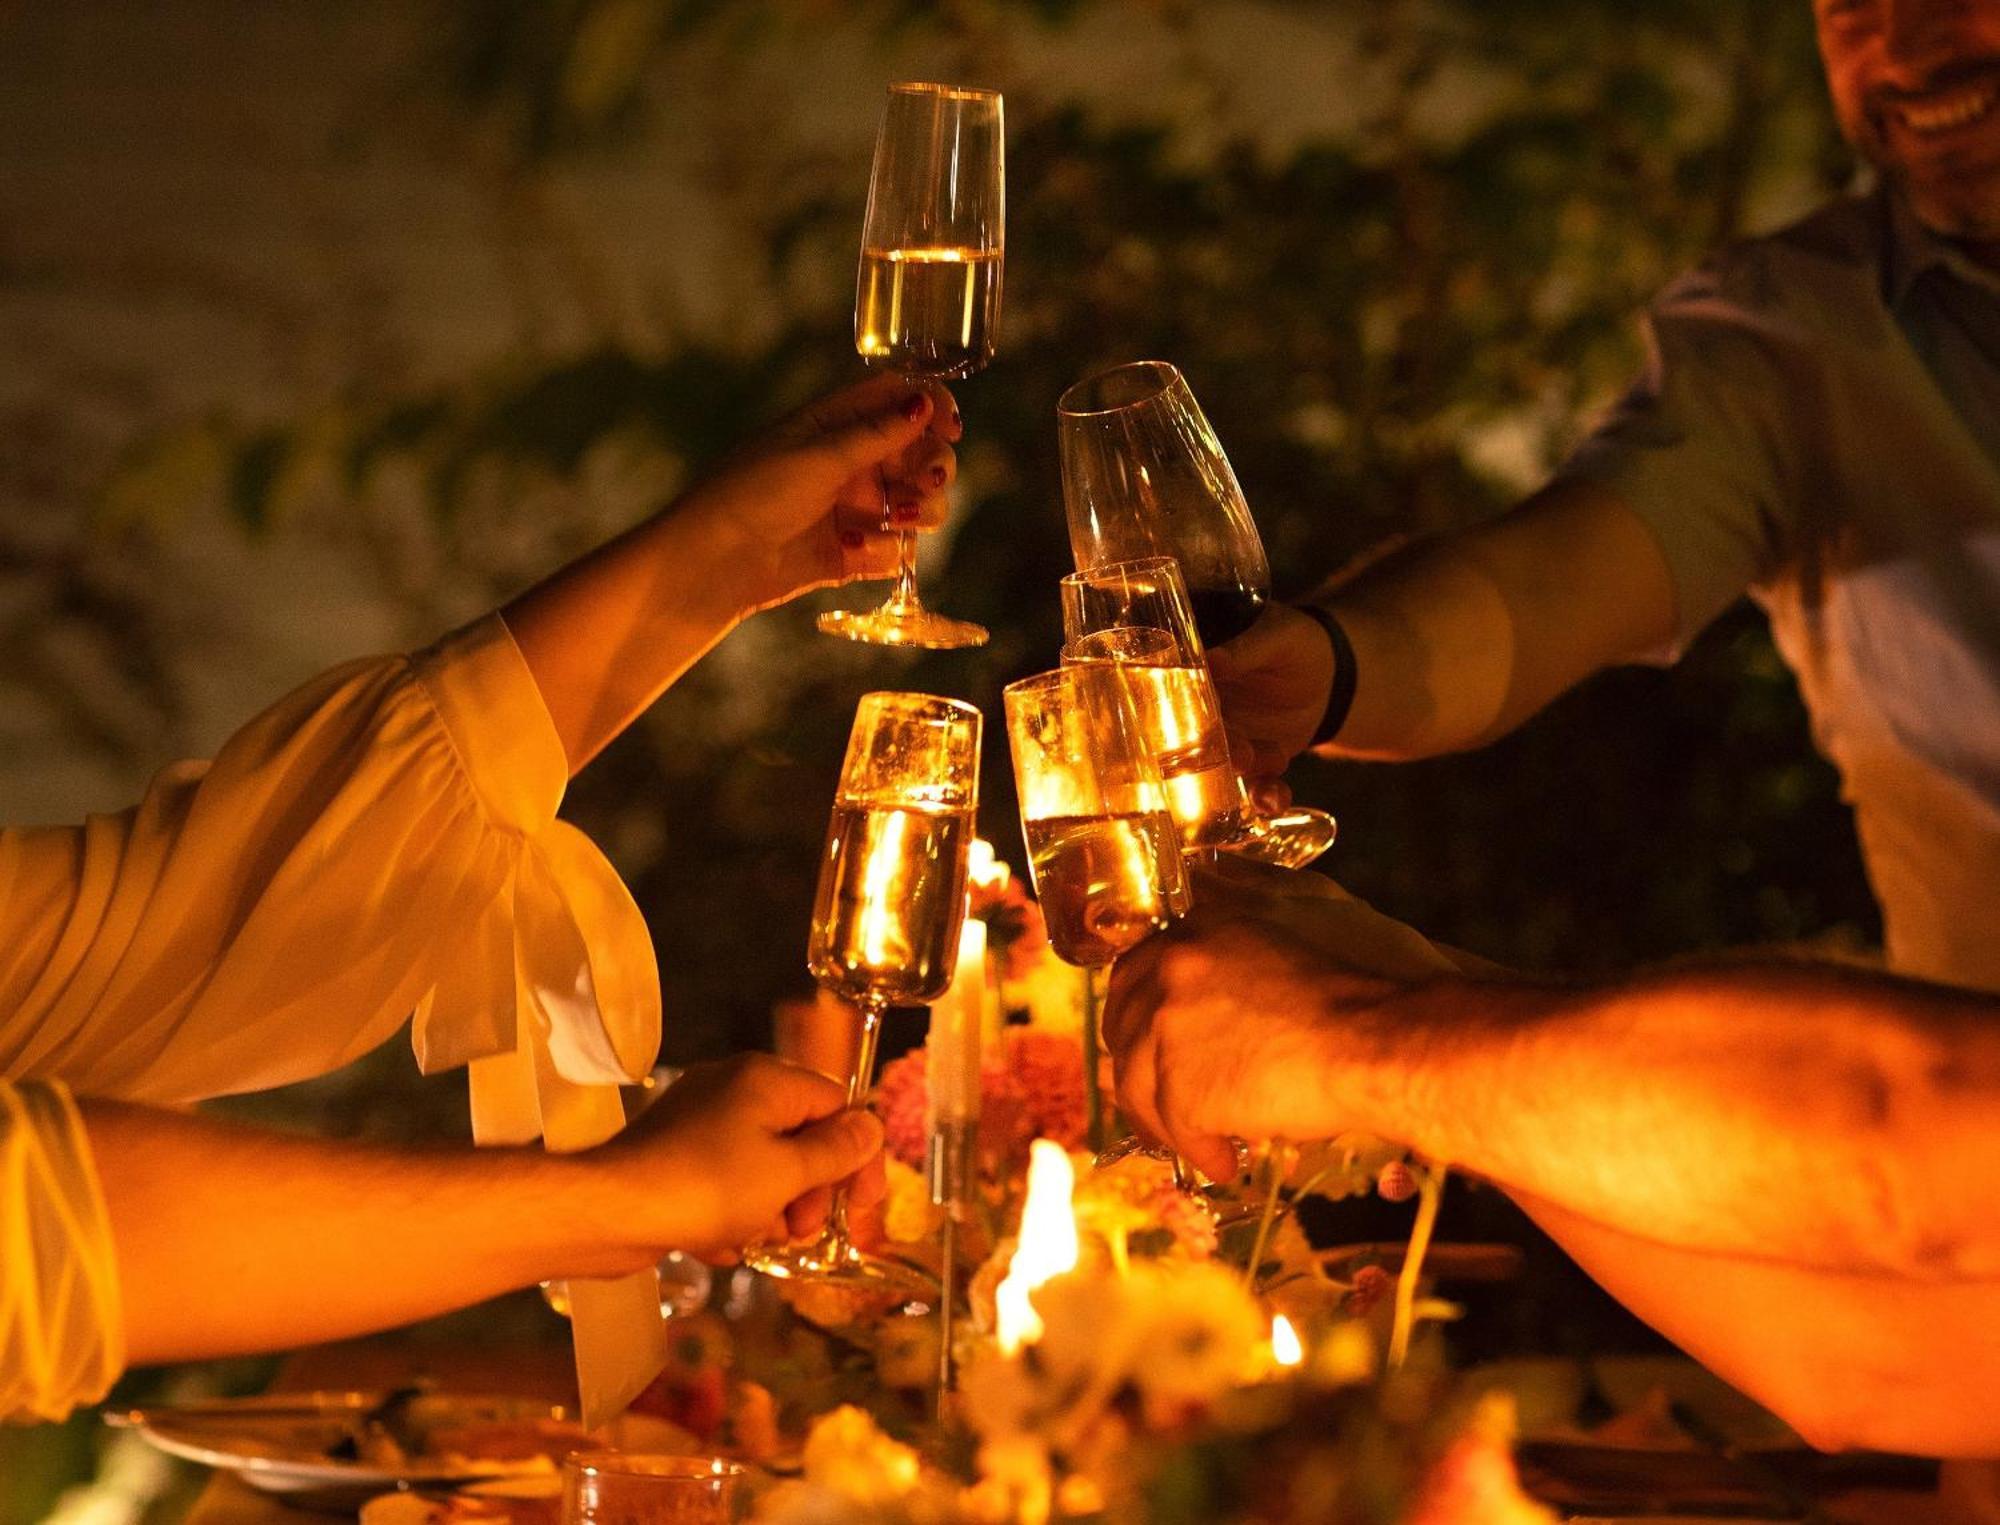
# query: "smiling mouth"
1936, 112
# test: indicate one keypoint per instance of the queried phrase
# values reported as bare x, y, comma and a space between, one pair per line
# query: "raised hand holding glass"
1144, 475
927, 297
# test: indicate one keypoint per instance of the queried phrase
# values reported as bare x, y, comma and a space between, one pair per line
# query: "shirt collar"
1910, 250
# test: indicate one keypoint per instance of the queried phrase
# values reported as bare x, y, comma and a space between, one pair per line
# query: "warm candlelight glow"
1047, 1247
985, 870
1285, 1347
957, 1026
883, 938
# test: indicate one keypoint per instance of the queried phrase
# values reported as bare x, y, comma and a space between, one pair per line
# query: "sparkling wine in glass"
1102, 847
1144, 475
1133, 618
889, 906
927, 298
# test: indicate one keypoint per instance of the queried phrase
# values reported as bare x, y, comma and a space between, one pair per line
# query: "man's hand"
743, 1151
1242, 1020
1273, 681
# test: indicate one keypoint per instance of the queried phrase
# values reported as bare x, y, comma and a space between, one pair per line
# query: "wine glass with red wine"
1144, 475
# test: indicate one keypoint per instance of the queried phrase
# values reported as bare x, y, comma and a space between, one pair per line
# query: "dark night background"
327, 326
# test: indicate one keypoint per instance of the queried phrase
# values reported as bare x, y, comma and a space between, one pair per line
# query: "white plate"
279, 1443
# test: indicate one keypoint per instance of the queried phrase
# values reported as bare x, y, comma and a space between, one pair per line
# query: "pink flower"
1371, 1284
1032, 1089
1396, 1182
902, 1096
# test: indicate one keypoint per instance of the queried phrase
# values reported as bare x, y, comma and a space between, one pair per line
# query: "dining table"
1917, 1495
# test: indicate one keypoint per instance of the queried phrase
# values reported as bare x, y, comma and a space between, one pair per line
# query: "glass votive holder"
612, 1488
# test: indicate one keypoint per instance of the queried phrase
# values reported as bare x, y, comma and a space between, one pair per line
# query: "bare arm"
1457, 640
805, 508
232, 1239
1802, 1114
1786, 1169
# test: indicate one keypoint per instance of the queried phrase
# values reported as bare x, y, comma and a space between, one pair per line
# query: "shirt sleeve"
378, 844
1705, 448
61, 1326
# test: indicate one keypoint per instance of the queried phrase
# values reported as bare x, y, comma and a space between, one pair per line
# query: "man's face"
1917, 86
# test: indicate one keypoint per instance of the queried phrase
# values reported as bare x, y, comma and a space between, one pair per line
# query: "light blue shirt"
1819, 425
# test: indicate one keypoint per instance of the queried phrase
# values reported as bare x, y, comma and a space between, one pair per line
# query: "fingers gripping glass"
927, 300
1136, 616
889, 907
1144, 475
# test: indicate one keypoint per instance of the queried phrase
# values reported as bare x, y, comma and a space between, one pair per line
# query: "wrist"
1341, 686
603, 1224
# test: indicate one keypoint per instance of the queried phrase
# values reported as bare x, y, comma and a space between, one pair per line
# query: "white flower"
848, 1456
1198, 1333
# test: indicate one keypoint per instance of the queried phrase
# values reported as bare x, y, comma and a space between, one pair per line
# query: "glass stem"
1096, 983
858, 1080
905, 596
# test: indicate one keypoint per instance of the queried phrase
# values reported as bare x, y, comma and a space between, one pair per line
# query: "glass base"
831, 1260
894, 624
1286, 838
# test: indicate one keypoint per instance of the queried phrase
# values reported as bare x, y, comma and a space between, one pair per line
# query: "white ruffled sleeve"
378, 844
61, 1330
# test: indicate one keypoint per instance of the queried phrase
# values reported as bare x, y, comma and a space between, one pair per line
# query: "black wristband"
1340, 697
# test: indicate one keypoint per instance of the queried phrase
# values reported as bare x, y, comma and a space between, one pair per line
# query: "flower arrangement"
1132, 1350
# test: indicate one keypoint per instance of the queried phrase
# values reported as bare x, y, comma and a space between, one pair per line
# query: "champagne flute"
886, 917
927, 299
1102, 845
1134, 617
1144, 475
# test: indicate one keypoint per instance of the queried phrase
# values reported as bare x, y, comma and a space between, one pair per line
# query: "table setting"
1050, 1318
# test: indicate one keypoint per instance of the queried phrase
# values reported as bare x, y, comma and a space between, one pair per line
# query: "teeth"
1955, 111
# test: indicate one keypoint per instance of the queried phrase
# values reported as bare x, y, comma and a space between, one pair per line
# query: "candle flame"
984, 868
884, 942
1286, 1348
1047, 1247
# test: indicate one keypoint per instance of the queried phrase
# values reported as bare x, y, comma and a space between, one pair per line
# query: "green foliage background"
1395, 325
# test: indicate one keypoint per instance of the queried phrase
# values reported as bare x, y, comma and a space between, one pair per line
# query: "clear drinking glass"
1101, 845
927, 299
890, 903
1138, 616
612, 1488
1144, 475
1134, 617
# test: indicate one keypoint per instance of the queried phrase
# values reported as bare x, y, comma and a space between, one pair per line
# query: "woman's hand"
822, 498
808, 505
744, 1151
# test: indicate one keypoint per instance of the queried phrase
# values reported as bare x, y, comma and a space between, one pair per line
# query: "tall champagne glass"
927, 300
890, 903
1101, 846
1144, 475
1134, 618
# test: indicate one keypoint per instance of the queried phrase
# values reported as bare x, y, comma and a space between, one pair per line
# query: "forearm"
230, 1239
1802, 1114
1459, 640
608, 634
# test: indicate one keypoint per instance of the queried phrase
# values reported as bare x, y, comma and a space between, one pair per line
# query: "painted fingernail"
914, 405
905, 511
853, 539
938, 474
